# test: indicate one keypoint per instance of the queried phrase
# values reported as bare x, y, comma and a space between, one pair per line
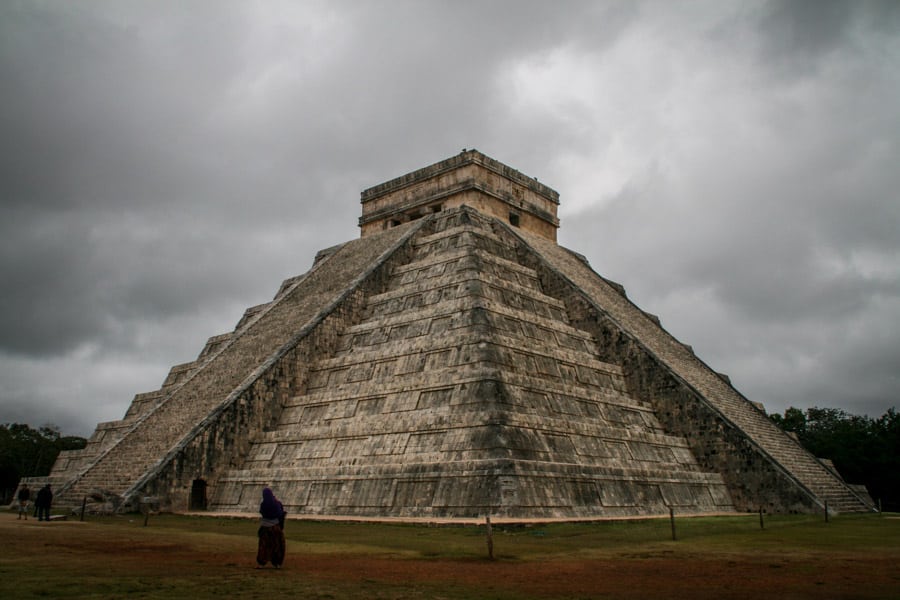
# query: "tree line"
28, 452
864, 450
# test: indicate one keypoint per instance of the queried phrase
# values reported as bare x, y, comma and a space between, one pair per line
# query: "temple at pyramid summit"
452, 362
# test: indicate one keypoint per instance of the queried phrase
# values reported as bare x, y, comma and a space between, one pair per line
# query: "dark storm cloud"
123, 195
163, 168
767, 239
99, 117
800, 37
46, 304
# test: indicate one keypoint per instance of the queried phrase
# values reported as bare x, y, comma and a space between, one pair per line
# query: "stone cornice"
462, 159
468, 184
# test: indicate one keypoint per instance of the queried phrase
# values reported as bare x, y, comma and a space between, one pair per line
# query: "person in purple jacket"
271, 531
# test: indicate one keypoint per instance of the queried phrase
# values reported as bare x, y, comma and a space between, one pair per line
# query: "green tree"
884, 460
846, 439
794, 420
863, 450
28, 452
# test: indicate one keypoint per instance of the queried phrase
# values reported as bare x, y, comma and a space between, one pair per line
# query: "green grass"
205, 557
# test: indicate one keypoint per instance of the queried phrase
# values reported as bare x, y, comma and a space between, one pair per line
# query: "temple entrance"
198, 495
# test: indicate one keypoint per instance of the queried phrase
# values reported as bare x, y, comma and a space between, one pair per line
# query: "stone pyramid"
452, 362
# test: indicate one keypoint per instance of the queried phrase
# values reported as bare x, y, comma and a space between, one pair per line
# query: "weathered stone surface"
459, 365
468, 179
464, 391
762, 466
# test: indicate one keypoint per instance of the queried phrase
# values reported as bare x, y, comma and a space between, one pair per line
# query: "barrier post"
489, 532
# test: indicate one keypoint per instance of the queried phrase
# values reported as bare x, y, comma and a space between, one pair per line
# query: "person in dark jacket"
271, 531
43, 502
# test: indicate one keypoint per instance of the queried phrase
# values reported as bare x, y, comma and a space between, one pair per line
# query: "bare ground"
35, 553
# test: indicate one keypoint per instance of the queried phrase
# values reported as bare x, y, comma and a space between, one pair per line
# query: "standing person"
43, 502
24, 497
271, 535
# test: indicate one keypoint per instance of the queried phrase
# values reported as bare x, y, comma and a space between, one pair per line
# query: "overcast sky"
163, 166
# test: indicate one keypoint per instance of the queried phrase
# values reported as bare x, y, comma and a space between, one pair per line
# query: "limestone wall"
470, 179
465, 390
761, 464
151, 441
223, 439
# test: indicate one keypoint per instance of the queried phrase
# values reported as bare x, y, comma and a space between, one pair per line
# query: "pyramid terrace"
452, 362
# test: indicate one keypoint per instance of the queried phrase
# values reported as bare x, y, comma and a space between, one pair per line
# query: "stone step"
472, 288
540, 391
461, 416
478, 235
467, 258
465, 346
601, 489
445, 316
438, 468
467, 277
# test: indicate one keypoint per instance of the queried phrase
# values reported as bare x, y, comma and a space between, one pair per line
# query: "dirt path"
175, 556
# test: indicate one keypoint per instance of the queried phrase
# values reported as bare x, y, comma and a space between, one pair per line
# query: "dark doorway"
198, 495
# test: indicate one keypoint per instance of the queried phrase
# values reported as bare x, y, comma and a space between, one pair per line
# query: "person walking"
271, 531
43, 502
24, 498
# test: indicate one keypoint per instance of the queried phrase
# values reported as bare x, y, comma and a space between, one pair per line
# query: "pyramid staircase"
451, 366
465, 390
712, 398
125, 455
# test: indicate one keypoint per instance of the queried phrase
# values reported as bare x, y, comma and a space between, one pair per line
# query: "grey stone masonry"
197, 392
762, 466
469, 178
453, 362
464, 390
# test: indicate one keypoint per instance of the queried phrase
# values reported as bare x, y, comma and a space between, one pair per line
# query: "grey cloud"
799, 38
164, 168
805, 28
46, 304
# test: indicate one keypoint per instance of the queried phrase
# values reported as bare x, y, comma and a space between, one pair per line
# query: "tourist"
271, 531
43, 502
24, 497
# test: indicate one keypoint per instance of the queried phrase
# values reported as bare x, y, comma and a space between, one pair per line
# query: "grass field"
203, 557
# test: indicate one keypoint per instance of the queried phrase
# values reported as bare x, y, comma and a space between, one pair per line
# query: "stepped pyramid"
453, 361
